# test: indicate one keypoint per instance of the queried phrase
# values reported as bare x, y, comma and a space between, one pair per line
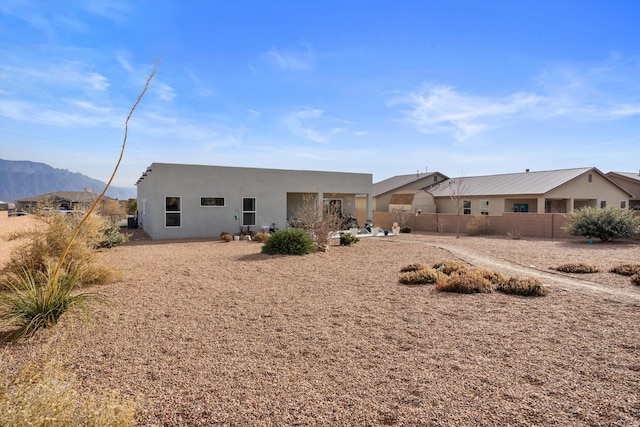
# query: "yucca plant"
33, 301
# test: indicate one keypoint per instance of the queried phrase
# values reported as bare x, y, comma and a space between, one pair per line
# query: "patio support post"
369, 209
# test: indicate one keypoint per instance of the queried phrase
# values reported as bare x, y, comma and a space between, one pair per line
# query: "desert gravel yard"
210, 333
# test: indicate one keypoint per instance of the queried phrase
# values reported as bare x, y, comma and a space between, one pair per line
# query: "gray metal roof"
395, 182
629, 175
525, 183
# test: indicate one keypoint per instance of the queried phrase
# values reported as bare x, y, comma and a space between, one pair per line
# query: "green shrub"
465, 282
627, 269
111, 236
479, 225
405, 229
412, 267
576, 267
528, 286
635, 279
34, 301
421, 277
348, 239
448, 267
289, 241
605, 224
226, 236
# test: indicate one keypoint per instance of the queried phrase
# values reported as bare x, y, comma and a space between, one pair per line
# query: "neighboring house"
63, 200
556, 191
188, 201
630, 182
388, 189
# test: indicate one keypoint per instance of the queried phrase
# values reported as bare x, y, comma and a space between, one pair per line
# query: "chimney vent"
526, 170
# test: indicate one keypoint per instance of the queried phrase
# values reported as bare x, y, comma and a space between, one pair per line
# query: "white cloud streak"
291, 60
312, 124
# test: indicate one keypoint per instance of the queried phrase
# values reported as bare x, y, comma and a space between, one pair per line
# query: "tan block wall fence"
517, 224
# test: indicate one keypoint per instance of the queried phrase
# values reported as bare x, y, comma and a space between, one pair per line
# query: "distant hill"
19, 179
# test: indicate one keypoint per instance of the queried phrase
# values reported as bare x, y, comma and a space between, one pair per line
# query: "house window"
603, 204
590, 178
484, 207
211, 201
248, 211
623, 204
172, 211
521, 207
332, 206
466, 207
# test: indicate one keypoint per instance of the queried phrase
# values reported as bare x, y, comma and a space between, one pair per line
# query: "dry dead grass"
218, 333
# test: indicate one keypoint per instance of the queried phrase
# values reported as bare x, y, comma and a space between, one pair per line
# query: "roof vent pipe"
526, 170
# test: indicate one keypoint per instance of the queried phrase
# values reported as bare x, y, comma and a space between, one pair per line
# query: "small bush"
412, 267
44, 393
405, 229
494, 277
422, 276
465, 282
579, 268
528, 287
626, 269
635, 279
289, 241
448, 267
348, 239
261, 237
605, 224
479, 226
226, 236
111, 236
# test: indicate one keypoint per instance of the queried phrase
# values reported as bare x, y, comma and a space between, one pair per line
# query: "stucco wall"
269, 187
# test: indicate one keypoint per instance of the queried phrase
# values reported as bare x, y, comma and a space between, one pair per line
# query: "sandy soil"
212, 333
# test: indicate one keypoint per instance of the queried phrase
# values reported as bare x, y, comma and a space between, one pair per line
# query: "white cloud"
291, 60
312, 124
437, 109
163, 91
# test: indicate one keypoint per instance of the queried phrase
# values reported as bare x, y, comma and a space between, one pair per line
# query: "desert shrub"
44, 244
605, 224
628, 269
576, 267
348, 239
319, 228
405, 229
448, 267
412, 267
289, 241
528, 287
492, 276
635, 279
479, 225
465, 282
226, 236
34, 300
261, 237
111, 236
44, 393
422, 276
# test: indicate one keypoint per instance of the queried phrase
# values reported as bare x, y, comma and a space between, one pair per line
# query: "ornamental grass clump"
635, 279
576, 267
627, 269
226, 236
36, 300
528, 287
289, 241
44, 393
424, 276
465, 282
412, 267
261, 237
494, 277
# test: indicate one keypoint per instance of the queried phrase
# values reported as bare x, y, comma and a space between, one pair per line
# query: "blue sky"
383, 87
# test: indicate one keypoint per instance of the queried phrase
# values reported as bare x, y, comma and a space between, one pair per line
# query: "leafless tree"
319, 221
457, 189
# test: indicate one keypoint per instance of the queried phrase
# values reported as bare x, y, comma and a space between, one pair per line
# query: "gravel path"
211, 333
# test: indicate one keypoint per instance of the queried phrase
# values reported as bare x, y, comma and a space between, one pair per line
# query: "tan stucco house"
631, 182
556, 191
399, 191
187, 201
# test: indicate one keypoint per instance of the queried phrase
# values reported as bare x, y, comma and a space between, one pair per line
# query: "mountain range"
21, 178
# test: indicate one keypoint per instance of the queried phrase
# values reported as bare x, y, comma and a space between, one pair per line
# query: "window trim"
254, 211
484, 207
173, 212
466, 207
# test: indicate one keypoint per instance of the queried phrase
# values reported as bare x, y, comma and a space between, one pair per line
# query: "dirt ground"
211, 333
